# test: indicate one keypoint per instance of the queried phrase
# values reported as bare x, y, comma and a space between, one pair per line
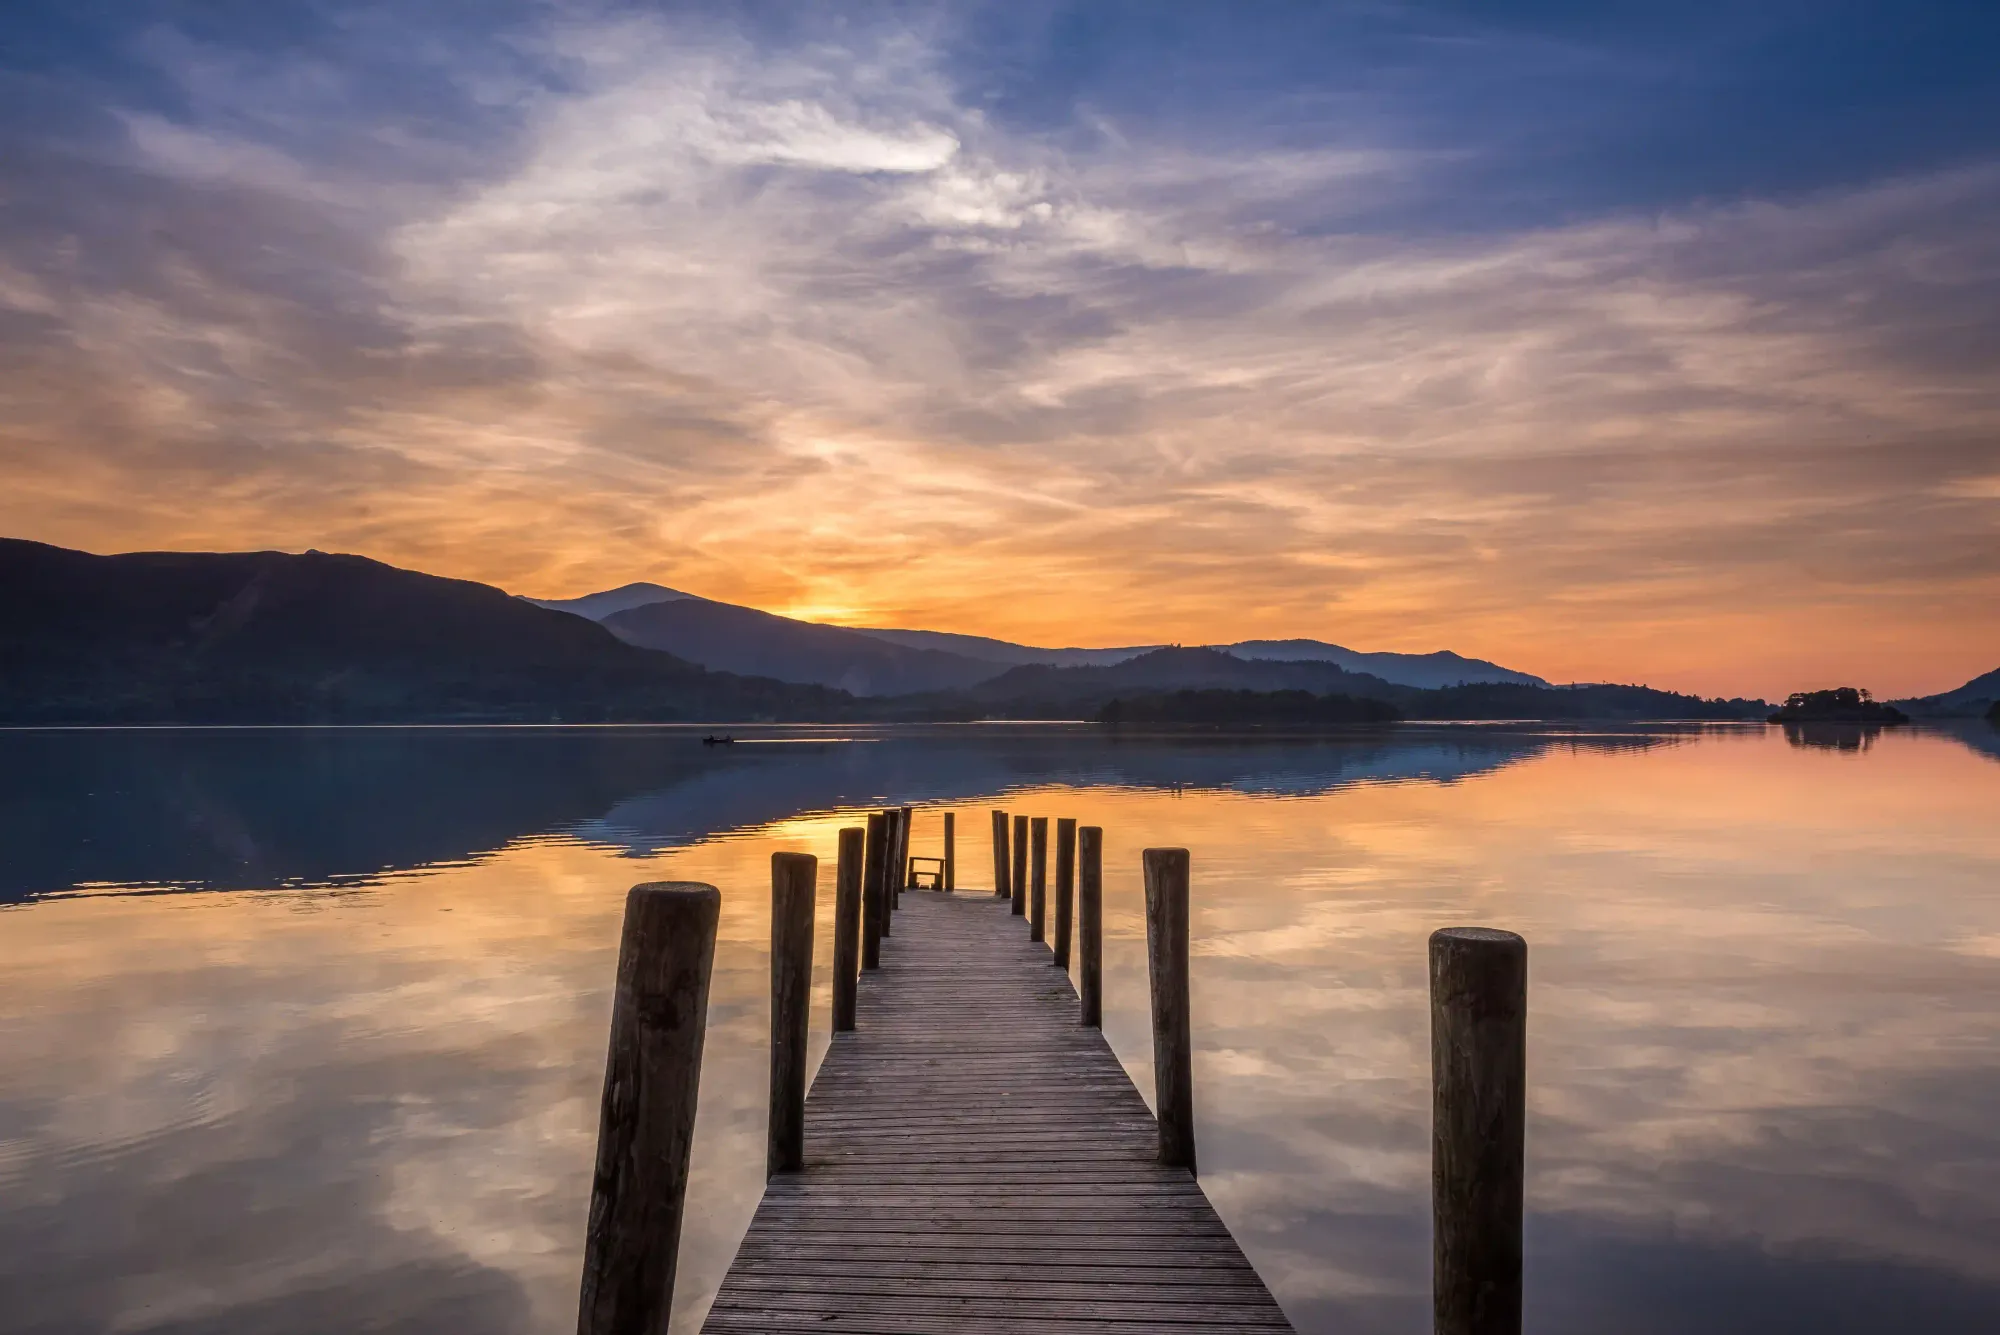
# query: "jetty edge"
972, 1157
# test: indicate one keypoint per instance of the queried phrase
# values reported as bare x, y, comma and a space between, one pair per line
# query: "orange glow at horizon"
1892, 644
883, 362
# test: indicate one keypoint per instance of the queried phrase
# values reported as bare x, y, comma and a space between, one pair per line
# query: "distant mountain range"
1140, 684
985, 650
871, 661
268, 637
1432, 671
1072, 692
729, 638
598, 606
260, 637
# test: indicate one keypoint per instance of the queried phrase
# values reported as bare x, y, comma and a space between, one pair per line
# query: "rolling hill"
1080, 691
1006, 653
268, 637
732, 638
598, 606
1971, 700
1035, 691
741, 639
1432, 670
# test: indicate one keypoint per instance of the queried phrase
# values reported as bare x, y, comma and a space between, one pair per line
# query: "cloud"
805, 318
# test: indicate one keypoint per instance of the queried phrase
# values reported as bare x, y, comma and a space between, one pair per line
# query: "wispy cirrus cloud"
818, 319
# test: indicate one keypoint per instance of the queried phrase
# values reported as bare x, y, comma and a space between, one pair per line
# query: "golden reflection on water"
1765, 985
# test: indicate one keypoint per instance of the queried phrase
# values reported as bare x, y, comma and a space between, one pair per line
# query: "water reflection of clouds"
1764, 1063
209, 1113
219, 1114
1760, 1085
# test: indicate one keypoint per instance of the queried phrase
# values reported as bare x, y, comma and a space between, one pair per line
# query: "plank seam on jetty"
979, 1162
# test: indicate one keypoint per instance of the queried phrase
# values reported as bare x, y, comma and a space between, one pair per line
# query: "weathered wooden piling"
1000, 854
895, 867
891, 860
1479, 1082
950, 877
1018, 882
847, 926
889, 870
1038, 878
1090, 925
659, 1015
899, 844
794, 886
905, 821
1065, 886
1167, 966
872, 911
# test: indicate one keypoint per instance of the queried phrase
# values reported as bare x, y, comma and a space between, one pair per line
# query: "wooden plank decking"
978, 1162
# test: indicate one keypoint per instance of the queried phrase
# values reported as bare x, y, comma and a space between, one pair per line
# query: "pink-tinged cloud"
806, 326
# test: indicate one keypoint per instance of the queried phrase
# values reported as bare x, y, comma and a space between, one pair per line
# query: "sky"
1607, 340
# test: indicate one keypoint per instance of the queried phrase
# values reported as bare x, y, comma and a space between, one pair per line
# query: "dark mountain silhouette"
742, 639
266, 637
1005, 652
1082, 692
1442, 668
1260, 708
1971, 700
1079, 692
762, 642
598, 606
273, 637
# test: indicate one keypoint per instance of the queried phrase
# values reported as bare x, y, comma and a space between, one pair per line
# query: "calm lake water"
303, 1030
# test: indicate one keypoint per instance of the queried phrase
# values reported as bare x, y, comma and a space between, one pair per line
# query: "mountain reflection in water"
255, 807
345, 1075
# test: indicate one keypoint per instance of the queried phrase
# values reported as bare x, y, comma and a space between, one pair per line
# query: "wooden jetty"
972, 1158
978, 1161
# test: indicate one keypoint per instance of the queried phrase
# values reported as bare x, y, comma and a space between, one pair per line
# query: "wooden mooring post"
659, 1016
1000, 854
1038, 878
1166, 872
1018, 882
887, 871
891, 842
950, 877
1479, 1081
794, 886
1090, 925
847, 927
905, 819
1065, 886
872, 911
880, 1165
